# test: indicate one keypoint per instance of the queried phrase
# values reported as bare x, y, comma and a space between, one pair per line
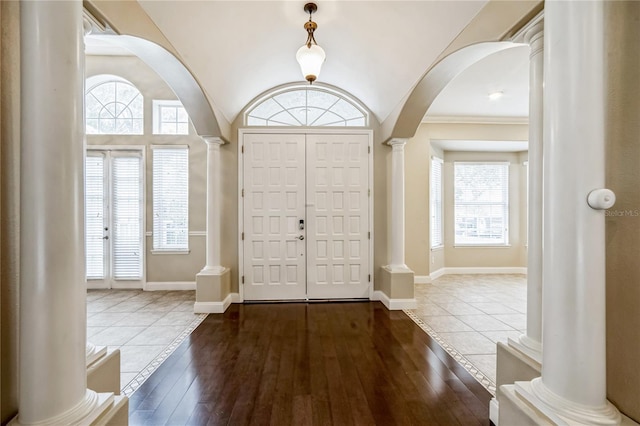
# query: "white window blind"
435, 196
481, 203
170, 118
170, 198
127, 217
94, 216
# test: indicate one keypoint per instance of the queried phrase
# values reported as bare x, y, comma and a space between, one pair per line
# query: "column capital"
534, 37
213, 140
397, 144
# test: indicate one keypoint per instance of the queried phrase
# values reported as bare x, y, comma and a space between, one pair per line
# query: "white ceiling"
376, 50
467, 95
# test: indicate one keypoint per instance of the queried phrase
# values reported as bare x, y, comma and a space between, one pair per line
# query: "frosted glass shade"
310, 60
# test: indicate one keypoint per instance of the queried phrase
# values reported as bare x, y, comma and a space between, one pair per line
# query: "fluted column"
573, 382
397, 205
52, 370
214, 207
531, 342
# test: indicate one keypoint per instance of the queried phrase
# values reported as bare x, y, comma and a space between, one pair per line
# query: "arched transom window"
306, 106
113, 107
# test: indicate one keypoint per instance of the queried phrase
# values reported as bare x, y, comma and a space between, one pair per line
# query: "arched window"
113, 106
306, 106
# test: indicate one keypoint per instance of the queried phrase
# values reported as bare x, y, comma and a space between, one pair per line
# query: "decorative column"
212, 283
396, 284
397, 205
530, 343
214, 206
573, 382
52, 367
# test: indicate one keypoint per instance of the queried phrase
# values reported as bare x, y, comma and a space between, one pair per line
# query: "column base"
396, 288
91, 410
94, 353
560, 411
213, 291
528, 346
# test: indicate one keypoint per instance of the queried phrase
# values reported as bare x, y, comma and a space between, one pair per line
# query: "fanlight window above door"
113, 106
306, 106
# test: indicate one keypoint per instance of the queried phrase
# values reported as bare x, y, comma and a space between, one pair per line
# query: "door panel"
337, 216
273, 207
114, 197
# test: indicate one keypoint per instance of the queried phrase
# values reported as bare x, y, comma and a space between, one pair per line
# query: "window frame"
167, 249
157, 121
96, 81
436, 204
318, 88
505, 204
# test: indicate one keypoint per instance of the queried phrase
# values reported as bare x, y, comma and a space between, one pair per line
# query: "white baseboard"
437, 274
235, 298
483, 270
212, 307
394, 304
127, 285
421, 279
493, 411
170, 285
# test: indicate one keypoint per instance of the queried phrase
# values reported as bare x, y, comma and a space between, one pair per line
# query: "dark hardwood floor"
303, 364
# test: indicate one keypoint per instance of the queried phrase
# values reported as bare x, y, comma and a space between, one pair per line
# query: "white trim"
485, 270
171, 252
169, 146
463, 119
437, 274
421, 279
213, 307
198, 233
494, 411
394, 304
127, 285
170, 285
235, 298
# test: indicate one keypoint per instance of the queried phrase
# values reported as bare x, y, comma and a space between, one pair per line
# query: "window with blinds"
95, 216
481, 203
435, 196
170, 198
126, 232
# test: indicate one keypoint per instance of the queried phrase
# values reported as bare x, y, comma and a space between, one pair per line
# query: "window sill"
483, 246
172, 252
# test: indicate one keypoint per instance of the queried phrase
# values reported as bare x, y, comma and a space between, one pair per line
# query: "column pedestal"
213, 285
397, 280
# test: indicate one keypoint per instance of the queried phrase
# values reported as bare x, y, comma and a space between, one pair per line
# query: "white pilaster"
214, 206
52, 367
531, 342
573, 382
397, 205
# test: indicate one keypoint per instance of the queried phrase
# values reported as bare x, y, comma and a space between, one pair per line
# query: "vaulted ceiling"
376, 50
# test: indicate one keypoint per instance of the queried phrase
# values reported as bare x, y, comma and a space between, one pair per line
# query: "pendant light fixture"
310, 56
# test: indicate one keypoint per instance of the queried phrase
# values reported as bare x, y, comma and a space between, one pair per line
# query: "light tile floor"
469, 314
145, 325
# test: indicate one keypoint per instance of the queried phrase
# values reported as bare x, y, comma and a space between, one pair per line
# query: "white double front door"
306, 216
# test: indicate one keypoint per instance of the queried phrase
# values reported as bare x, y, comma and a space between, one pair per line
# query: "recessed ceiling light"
495, 95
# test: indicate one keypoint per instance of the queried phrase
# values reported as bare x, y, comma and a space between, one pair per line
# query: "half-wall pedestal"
213, 286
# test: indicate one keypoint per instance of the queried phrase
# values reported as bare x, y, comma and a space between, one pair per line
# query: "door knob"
301, 237
105, 237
